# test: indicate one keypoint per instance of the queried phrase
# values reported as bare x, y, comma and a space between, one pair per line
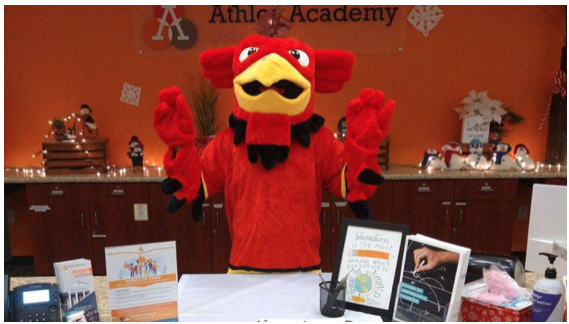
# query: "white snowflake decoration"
425, 18
130, 94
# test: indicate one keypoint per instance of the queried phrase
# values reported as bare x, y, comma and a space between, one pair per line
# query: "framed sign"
370, 254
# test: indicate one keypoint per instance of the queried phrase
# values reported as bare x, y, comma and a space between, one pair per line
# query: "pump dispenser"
548, 295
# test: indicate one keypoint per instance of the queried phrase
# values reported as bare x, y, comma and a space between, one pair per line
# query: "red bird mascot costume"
275, 158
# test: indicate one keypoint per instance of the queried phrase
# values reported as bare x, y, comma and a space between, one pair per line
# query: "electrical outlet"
11, 216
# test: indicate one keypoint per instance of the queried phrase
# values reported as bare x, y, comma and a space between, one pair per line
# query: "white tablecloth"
249, 298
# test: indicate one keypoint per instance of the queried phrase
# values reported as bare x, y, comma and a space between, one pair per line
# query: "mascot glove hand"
173, 120
183, 168
368, 118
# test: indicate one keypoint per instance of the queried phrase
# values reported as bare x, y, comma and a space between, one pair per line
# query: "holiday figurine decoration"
136, 152
432, 160
476, 158
523, 159
276, 156
452, 158
89, 129
501, 158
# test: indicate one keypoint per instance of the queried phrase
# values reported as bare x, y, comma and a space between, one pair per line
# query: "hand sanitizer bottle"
548, 295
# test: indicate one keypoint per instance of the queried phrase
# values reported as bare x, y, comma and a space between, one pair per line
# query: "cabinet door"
325, 218
484, 226
112, 219
61, 233
193, 240
380, 203
340, 210
220, 236
425, 206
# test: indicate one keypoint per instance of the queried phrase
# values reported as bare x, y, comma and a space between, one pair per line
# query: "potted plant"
205, 99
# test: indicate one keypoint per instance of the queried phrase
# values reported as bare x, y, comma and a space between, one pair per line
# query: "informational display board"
370, 254
188, 30
431, 281
143, 282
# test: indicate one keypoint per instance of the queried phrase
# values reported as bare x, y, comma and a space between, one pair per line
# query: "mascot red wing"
275, 158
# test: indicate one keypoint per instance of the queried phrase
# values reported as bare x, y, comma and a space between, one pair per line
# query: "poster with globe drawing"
369, 255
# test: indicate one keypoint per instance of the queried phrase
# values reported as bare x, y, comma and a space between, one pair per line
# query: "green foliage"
205, 99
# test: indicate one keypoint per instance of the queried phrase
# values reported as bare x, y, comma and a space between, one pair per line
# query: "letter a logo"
169, 27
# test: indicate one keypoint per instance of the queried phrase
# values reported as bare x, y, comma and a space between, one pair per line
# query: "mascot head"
274, 80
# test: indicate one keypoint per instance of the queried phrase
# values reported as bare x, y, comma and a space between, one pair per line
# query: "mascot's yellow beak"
273, 86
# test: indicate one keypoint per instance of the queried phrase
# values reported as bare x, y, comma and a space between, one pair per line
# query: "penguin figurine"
136, 152
523, 159
476, 158
432, 160
501, 158
452, 158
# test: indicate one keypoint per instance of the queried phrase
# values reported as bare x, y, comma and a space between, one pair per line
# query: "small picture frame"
370, 254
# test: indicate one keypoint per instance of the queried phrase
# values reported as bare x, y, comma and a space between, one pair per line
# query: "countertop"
157, 174
101, 287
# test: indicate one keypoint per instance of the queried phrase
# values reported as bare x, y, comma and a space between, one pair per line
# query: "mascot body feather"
276, 157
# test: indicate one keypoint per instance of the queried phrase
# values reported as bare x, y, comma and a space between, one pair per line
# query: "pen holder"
332, 299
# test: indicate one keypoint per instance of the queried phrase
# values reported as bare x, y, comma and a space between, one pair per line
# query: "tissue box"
474, 311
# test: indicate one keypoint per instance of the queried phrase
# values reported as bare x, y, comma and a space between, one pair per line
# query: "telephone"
37, 302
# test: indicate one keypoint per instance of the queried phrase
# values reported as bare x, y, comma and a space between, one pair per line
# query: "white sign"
471, 129
140, 212
370, 258
143, 282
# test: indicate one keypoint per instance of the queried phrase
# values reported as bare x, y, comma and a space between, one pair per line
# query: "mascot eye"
301, 56
246, 52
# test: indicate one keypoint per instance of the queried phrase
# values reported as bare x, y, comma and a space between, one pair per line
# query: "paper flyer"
143, 282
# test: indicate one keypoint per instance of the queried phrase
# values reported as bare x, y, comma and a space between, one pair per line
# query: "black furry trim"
299, 132
269, 154
239, 127
299, 269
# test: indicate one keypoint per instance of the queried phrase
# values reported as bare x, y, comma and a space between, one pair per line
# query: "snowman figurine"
502, 160
432, 160
522, 157
452, 158
476, 158
136, 152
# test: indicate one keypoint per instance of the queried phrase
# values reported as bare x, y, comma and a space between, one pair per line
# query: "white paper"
370, 258
143, 282
425, 18
130, 94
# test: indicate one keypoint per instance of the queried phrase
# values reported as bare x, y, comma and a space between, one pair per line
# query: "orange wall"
59, 57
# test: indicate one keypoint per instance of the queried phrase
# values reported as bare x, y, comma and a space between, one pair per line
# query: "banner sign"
188, 30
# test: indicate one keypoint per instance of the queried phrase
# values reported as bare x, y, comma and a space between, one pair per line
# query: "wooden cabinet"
484, 215
112, 219
424, 205
325, 247
193, 240
82, 219
220, 236
61, 232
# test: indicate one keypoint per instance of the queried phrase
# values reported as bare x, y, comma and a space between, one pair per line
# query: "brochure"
143, 282
77, 290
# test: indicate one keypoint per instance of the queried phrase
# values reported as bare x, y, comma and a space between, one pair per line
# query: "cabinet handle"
446, 216
424, 189
338, 219
324, 218
486, 189
217, 218
99, 235
203, 219
96, 220
56, 192
117, 192
460, 218
82, 224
